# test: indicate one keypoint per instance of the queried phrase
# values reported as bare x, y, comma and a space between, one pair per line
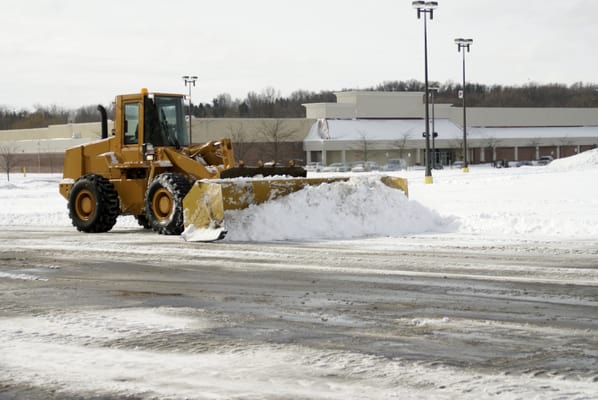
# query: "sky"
72, 53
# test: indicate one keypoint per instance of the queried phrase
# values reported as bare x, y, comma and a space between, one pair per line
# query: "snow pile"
556, 201
360, 207
527, 202
7, 186
34, 200
24, 277
586, 160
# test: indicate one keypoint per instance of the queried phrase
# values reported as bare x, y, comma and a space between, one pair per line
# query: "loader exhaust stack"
104, 116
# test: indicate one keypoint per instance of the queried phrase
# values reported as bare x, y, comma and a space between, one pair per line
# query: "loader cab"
148, 118
164, 121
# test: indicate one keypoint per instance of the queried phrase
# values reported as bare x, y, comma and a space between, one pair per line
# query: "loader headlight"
148, 151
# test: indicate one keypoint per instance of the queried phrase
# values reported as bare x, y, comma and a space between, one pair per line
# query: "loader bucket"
204, 205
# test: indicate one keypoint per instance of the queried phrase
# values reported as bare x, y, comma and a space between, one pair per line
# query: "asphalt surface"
500, 307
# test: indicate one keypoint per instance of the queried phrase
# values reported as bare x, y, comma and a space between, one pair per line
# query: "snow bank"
24, 277
34, 200
526, 202
360, 207
558, 201
586, 160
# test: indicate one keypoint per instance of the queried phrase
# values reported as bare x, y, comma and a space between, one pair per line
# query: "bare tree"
242, 143
8, 158
492, 143
457, 145
565, 141
401, 143
364, 144
562, 144
535, 143
275, 133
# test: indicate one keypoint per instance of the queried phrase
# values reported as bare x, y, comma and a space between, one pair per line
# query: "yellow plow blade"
204, 205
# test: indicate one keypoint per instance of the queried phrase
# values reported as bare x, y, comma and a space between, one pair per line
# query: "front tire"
142, 221
164, 203
93, 204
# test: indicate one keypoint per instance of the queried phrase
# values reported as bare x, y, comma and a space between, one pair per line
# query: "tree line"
43, 116
269, 103
479, 95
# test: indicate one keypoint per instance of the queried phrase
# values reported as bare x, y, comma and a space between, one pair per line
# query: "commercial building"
378, 126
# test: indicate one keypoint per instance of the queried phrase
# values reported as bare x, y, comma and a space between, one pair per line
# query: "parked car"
372, 166
358, 166
314, 167
458, 164
364, 166
395, 164
337, 167
501, 164
544, 160
525, 163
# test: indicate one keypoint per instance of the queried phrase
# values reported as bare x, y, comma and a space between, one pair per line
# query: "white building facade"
378, 126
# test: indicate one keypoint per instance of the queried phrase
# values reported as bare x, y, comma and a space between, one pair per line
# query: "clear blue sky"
74, 52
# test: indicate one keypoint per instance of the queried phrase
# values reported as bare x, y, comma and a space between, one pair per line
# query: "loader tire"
164, 203
93, 204
142, 221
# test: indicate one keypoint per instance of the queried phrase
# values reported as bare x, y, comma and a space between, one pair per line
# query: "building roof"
412, 129
390, 129
561, 132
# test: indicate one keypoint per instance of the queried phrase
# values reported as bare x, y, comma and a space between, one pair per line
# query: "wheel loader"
148, 168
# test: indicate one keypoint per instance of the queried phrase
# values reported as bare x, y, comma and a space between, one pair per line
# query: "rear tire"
164, 203
93, 204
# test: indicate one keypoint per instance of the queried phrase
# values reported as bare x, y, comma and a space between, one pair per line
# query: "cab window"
165, 121
131, 125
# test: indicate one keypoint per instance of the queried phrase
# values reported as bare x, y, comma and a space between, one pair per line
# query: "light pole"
433, 91
463, 44
425, 8
188, 81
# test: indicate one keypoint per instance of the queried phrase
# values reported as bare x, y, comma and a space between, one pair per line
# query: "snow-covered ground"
245, 372
558, 201
94, 350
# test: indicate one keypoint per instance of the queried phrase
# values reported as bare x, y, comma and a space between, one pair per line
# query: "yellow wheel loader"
148, 168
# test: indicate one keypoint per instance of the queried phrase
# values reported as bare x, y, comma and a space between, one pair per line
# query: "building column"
344, 156
558, 151
307, 156
482, 155
516, 151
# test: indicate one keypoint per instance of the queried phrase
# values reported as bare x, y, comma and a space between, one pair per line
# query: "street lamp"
433, 91
425, 8
463, 44
188, 81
